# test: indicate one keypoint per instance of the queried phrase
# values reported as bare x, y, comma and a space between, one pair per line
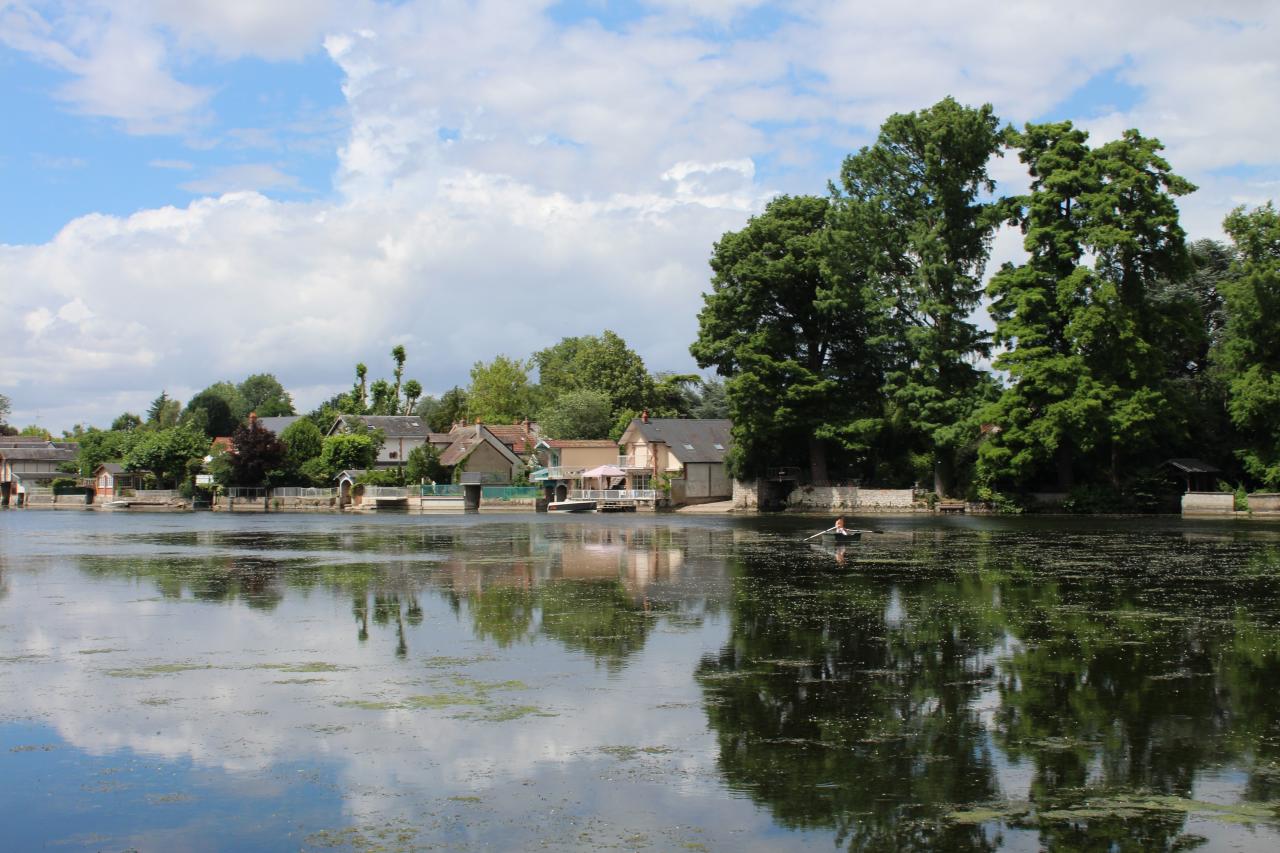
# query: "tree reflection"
887, 704
850, 705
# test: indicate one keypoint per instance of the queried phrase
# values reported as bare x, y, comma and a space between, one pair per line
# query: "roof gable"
689, 439
468, 439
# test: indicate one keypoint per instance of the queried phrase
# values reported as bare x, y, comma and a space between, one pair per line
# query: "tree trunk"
1062, 457
1115, 466
942, 475
817, 461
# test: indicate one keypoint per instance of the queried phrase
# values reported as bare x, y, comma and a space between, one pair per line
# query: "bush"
999, 501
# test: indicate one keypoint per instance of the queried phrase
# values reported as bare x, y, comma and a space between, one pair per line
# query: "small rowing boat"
571, 506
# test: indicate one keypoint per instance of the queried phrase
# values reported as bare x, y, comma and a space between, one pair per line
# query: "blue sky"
199, 191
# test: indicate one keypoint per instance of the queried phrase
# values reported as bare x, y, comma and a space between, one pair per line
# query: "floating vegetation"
506, 713
1119, 806
312, 666
395, 836
443, 700
157, 669
629, 753
302, 681
98, 651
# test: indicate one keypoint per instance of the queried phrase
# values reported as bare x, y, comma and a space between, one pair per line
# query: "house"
110, 481
27, 464
476, 449
568, 457
401, 434
689, 452
564, 460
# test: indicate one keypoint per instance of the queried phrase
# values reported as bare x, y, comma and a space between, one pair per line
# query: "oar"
816, 535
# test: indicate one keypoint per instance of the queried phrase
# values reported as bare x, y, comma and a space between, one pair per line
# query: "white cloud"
504, 182
246, 176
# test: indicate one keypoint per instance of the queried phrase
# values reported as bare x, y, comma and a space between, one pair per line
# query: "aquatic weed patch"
1121, 806
157, 669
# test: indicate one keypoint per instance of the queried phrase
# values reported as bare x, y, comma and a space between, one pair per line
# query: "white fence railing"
386, 491
614, 494
246, 492
301, 492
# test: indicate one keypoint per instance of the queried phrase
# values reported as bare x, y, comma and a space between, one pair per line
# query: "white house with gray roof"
401, 434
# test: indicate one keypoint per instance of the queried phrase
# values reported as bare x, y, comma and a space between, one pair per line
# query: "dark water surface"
512, 682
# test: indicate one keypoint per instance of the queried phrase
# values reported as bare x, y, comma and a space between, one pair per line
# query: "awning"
603, 471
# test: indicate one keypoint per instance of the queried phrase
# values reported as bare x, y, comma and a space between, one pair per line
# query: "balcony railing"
614, 494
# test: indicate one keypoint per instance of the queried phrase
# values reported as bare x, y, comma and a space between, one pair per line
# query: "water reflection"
897, 705
967, 685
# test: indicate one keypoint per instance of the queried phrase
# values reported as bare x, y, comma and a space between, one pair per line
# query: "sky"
198, 190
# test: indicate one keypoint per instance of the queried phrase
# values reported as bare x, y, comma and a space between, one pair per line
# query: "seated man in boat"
839, 528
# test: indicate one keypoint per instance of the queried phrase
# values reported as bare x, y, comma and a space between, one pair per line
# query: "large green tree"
790, 339
1104, 328
500, 392
263, 395
303, 443
1132, 230
163, 411
217, 410
443, 413
604, 364
167, 454
582, 413
917, 200
1051, 408
1249, 354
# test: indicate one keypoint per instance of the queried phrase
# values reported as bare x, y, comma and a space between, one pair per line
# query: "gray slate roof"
1193, 466
690, 439
392, 426
44, 453
279, 423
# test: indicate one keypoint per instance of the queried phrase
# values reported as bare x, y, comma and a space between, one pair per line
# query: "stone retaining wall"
1265, 503
850, 498
1208, 503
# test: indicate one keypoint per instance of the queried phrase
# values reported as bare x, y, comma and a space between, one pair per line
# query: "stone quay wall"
748, 496
1208, 503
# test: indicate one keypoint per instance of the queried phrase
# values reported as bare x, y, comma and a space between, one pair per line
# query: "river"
640, 682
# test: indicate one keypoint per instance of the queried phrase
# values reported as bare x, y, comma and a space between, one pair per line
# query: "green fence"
510, 493
441, 490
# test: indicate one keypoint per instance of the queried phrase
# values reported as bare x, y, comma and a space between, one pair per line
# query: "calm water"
200, 682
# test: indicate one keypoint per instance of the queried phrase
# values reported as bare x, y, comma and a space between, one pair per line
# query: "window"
688, 447
718, 446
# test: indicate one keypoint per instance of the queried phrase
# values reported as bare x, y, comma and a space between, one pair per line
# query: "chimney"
644, 416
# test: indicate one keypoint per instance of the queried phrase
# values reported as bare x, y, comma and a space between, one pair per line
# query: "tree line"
587, 387
844, 326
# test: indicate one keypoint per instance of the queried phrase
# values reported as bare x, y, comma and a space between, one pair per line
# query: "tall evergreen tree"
1051, 409
916, 195
1249, 355
790, 339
